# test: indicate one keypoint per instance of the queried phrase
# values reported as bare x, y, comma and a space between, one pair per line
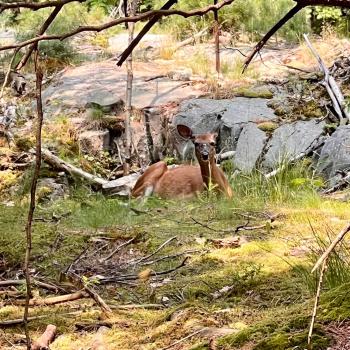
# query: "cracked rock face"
250, 146
290, 140
228, 117
335, 154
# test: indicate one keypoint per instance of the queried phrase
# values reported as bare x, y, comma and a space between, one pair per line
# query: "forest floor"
231, 274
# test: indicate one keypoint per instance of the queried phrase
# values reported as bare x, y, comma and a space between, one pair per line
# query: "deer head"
204, 144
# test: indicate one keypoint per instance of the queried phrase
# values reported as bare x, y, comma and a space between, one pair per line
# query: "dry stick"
56, 300
291, 13
105, 308
217, 41
21, 282
137, 18
143, 32
331, 86
33, 5
116, 250
41, 31
324, 256
155, 252
182, 339
317, 298
28, 228
6, 80
190, 251
20, 321
129, 81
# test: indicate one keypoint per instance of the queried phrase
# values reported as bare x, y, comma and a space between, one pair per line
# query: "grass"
259, 290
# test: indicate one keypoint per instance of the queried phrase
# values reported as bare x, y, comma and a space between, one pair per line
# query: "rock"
94, 141
122, 186
335, 154
227, 116
51, 189
290, 140
250, 146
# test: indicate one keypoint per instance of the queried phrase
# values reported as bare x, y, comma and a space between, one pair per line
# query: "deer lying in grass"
185, 181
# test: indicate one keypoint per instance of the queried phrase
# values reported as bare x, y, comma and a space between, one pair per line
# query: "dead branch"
183, 339
138, 306
34, 5
204, 225
291, 13
56, 300
140, 17
99, 342
46, 338
20, 321
116, 250
94, 295
28, 228
317, 298
338, 239
167, 257
331, 86
41, 31
217, 39
340, 184
155, 252
59, 163
143, 32
22, 282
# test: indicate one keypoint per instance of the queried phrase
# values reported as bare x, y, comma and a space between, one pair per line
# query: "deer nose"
205, 155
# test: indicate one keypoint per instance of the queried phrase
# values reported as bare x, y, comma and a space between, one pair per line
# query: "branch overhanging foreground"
140, 17
34, 5
300, 4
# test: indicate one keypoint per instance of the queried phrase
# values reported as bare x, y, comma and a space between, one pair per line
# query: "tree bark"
217, 41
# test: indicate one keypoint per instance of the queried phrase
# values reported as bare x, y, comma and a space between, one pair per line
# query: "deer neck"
208, 171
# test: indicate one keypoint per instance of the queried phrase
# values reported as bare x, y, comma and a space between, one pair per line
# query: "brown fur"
185, 181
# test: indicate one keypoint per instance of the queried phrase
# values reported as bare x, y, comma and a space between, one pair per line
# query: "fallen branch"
317, 298
325, 255
105, 308
339, 184
56, 300
331, 86
99, 341
138, 306
46, 338
155, 252
183, 339
116, 250
20, 321
48, 286
34, 5
60, 164
226, 155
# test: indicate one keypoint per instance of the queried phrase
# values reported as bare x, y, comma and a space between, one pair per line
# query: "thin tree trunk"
28, 228
217, 41
130, 76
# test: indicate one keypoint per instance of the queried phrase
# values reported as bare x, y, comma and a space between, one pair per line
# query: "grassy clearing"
262, 290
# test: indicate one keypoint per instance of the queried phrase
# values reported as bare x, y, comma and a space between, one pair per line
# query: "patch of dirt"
340, 332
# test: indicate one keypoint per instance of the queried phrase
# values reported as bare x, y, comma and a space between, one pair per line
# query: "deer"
185, 181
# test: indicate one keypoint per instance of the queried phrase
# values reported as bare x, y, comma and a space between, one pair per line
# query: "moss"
24, 143
8, 178
268, 126
254, 92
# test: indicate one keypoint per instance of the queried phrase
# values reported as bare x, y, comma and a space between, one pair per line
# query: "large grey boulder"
290, 140
227, 116
250, 146
335, 154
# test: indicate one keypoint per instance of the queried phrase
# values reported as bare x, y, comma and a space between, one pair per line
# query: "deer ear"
215, 135
184, 131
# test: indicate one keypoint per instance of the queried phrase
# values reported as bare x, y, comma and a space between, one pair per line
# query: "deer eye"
196, 144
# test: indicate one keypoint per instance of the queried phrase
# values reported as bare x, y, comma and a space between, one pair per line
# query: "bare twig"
325, 255
6, 80
95, 296
155, 252
28, 228
204, 225
317, 298
4, 5
183, 339
57, 300
116, 250
137, 18
190, 251
45, 339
